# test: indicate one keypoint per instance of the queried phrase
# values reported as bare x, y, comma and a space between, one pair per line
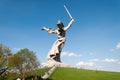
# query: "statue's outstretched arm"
44, 28
49, 30
69, 25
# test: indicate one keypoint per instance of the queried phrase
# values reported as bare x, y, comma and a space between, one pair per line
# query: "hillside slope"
81, 74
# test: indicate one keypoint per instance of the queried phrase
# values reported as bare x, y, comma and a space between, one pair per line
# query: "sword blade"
68, 12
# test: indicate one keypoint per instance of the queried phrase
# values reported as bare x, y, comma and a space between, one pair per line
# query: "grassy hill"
71, 74
82, 74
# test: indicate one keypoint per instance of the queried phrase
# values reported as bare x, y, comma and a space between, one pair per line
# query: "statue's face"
60, 25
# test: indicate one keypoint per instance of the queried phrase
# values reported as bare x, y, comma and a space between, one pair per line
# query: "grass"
82, 74
71, 74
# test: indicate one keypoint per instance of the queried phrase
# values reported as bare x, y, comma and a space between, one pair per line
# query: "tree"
4, 53
24, 61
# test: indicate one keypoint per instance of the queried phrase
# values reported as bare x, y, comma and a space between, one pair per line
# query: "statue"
54, 53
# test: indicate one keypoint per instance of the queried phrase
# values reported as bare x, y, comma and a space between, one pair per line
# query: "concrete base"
51, 63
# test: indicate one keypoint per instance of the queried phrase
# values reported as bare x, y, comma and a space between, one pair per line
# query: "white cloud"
16, 49
43, 63
70, 54
111, 50
92, 52
118, 46
93, 60
110, 60
118, 62
82, 63
99, 66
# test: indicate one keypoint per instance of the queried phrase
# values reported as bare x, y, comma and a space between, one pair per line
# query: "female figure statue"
54, 53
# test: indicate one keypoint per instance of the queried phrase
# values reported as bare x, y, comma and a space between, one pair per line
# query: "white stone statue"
55, 52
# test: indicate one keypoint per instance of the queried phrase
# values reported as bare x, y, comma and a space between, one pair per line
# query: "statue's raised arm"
71, 19
69, 25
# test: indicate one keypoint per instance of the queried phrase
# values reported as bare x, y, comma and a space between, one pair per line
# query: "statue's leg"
55, 51
58, 54
51, 54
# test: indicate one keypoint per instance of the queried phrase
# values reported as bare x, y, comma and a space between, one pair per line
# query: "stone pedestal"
51, 63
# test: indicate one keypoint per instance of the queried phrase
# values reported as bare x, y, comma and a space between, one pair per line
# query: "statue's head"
60, 25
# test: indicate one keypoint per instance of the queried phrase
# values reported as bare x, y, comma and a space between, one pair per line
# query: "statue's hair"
60, 24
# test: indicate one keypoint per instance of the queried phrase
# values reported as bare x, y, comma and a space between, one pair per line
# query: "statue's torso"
61, 34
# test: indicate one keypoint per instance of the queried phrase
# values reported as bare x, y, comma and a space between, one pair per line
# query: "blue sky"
93, 41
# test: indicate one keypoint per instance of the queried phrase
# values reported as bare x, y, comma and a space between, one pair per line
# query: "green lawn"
71, 74
82, 74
